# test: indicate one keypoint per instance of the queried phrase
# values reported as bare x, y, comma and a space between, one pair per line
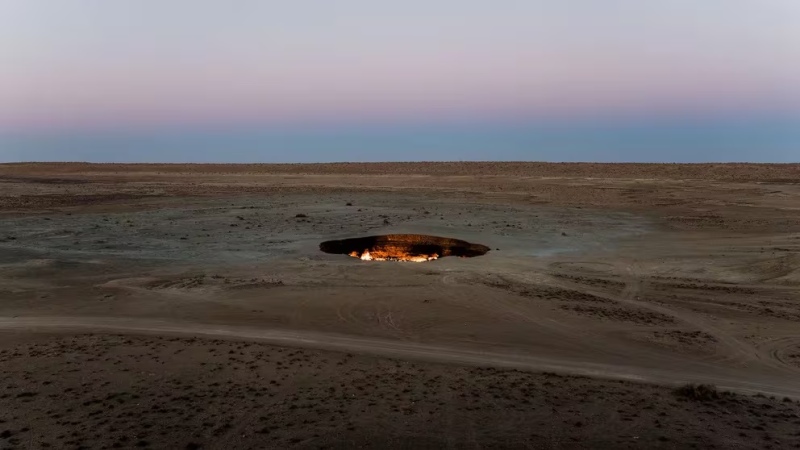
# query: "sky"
303, 80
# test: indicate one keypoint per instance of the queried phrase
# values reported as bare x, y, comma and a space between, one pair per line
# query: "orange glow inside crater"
403, 247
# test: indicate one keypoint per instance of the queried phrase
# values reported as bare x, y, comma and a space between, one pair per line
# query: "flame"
387, 256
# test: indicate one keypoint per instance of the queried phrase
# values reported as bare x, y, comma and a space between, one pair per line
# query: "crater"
403, 247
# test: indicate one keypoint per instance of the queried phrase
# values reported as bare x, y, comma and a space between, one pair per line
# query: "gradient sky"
90, 66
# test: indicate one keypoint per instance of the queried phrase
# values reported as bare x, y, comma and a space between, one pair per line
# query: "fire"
378, 255
403, 247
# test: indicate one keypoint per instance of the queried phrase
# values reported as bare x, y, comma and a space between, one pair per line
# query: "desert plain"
190, 306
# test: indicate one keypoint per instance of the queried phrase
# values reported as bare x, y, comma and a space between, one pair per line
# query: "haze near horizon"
249, 81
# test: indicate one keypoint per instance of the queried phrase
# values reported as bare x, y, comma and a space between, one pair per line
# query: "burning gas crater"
403, 247
388, 256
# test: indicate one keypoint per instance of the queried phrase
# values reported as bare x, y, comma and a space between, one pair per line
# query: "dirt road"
785, 387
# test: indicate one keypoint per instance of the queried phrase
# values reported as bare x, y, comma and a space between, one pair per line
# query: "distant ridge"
763, 172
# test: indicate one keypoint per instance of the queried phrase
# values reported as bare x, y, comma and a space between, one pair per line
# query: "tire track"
743, 381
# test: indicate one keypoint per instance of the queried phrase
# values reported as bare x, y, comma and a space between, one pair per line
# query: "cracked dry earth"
189, 306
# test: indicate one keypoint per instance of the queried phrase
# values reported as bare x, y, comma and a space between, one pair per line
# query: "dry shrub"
699, 392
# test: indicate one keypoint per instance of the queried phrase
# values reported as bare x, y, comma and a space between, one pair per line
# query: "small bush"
698, 392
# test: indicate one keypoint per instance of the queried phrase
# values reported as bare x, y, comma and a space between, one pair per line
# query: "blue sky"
267, 80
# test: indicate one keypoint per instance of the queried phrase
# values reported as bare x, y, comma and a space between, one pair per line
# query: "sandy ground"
190, 287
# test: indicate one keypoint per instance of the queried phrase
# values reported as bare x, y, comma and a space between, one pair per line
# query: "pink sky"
95, 63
